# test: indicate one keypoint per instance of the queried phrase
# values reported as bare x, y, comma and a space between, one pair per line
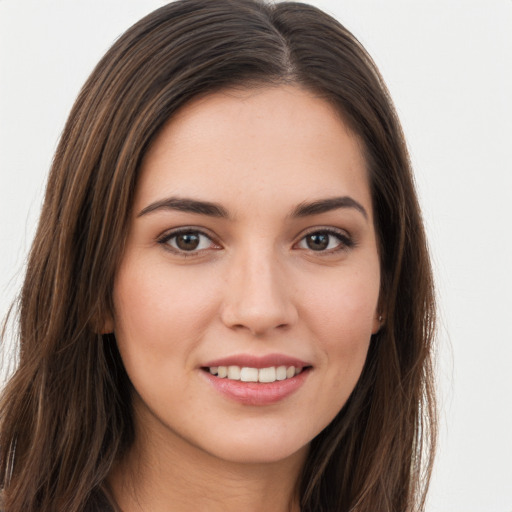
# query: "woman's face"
251, 253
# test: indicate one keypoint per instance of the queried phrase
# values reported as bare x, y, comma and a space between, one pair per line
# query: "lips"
248, 374
254, 380
258, 361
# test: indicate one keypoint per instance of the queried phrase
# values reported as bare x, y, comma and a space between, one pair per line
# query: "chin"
263, 445
264, 452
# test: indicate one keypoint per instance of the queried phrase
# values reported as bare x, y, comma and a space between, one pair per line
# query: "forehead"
263, 145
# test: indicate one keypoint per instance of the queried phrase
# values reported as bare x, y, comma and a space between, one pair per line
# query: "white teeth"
249, 374
267, 375
234, 372
246, 374
281, 372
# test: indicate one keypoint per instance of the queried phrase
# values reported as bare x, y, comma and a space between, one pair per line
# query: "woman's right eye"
189, 241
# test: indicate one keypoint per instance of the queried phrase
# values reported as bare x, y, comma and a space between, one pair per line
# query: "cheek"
158, 309
345, 307
342, 320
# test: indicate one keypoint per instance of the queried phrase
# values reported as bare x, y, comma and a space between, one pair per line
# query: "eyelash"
345, 242
166, 238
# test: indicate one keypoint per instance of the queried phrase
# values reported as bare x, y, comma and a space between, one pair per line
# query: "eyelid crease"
170, 234
343, 233
345, 239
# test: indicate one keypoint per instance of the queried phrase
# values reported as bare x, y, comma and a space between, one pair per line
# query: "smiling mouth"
248, 374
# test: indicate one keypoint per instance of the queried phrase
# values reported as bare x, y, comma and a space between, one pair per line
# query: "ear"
378, 322
107, 326
103, 323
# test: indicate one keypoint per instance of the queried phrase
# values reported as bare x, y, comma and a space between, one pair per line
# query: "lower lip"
257, 393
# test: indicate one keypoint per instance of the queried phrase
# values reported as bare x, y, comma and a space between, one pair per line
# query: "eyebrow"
186, 205
327, 205
210, 209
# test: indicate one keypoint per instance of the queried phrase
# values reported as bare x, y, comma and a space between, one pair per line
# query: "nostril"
257, 313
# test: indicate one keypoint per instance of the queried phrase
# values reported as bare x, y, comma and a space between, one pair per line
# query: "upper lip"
250, 361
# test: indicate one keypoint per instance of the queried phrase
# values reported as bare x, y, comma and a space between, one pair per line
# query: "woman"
229, 301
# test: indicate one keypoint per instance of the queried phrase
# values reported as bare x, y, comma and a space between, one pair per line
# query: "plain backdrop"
448, 65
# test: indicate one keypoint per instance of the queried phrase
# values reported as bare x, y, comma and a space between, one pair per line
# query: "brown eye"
318, 241
325, 241
187, 241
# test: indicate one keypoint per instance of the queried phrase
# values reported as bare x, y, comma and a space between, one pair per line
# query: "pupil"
187, 241
318, 241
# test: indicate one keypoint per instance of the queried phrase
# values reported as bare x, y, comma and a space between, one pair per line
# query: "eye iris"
187, 241
317, 241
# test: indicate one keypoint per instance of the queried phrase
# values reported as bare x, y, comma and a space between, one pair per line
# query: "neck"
162, 473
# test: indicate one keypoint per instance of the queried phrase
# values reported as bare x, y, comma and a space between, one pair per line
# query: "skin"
253, 286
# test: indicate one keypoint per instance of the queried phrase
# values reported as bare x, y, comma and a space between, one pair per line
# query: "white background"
448, 65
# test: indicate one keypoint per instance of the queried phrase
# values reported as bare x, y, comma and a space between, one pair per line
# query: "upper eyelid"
344, 237
324, 229
170, 233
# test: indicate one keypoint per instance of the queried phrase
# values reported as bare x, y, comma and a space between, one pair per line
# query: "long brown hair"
66, 414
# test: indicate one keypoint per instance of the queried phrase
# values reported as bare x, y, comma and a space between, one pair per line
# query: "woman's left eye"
325, 241
189, 241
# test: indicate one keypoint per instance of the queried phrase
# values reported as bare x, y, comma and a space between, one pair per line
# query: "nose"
258, 295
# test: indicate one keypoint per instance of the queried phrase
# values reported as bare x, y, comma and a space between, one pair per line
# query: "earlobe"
103, 325
378, 322
108, 325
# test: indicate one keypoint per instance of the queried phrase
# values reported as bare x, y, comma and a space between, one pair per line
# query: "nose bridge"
257, 296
